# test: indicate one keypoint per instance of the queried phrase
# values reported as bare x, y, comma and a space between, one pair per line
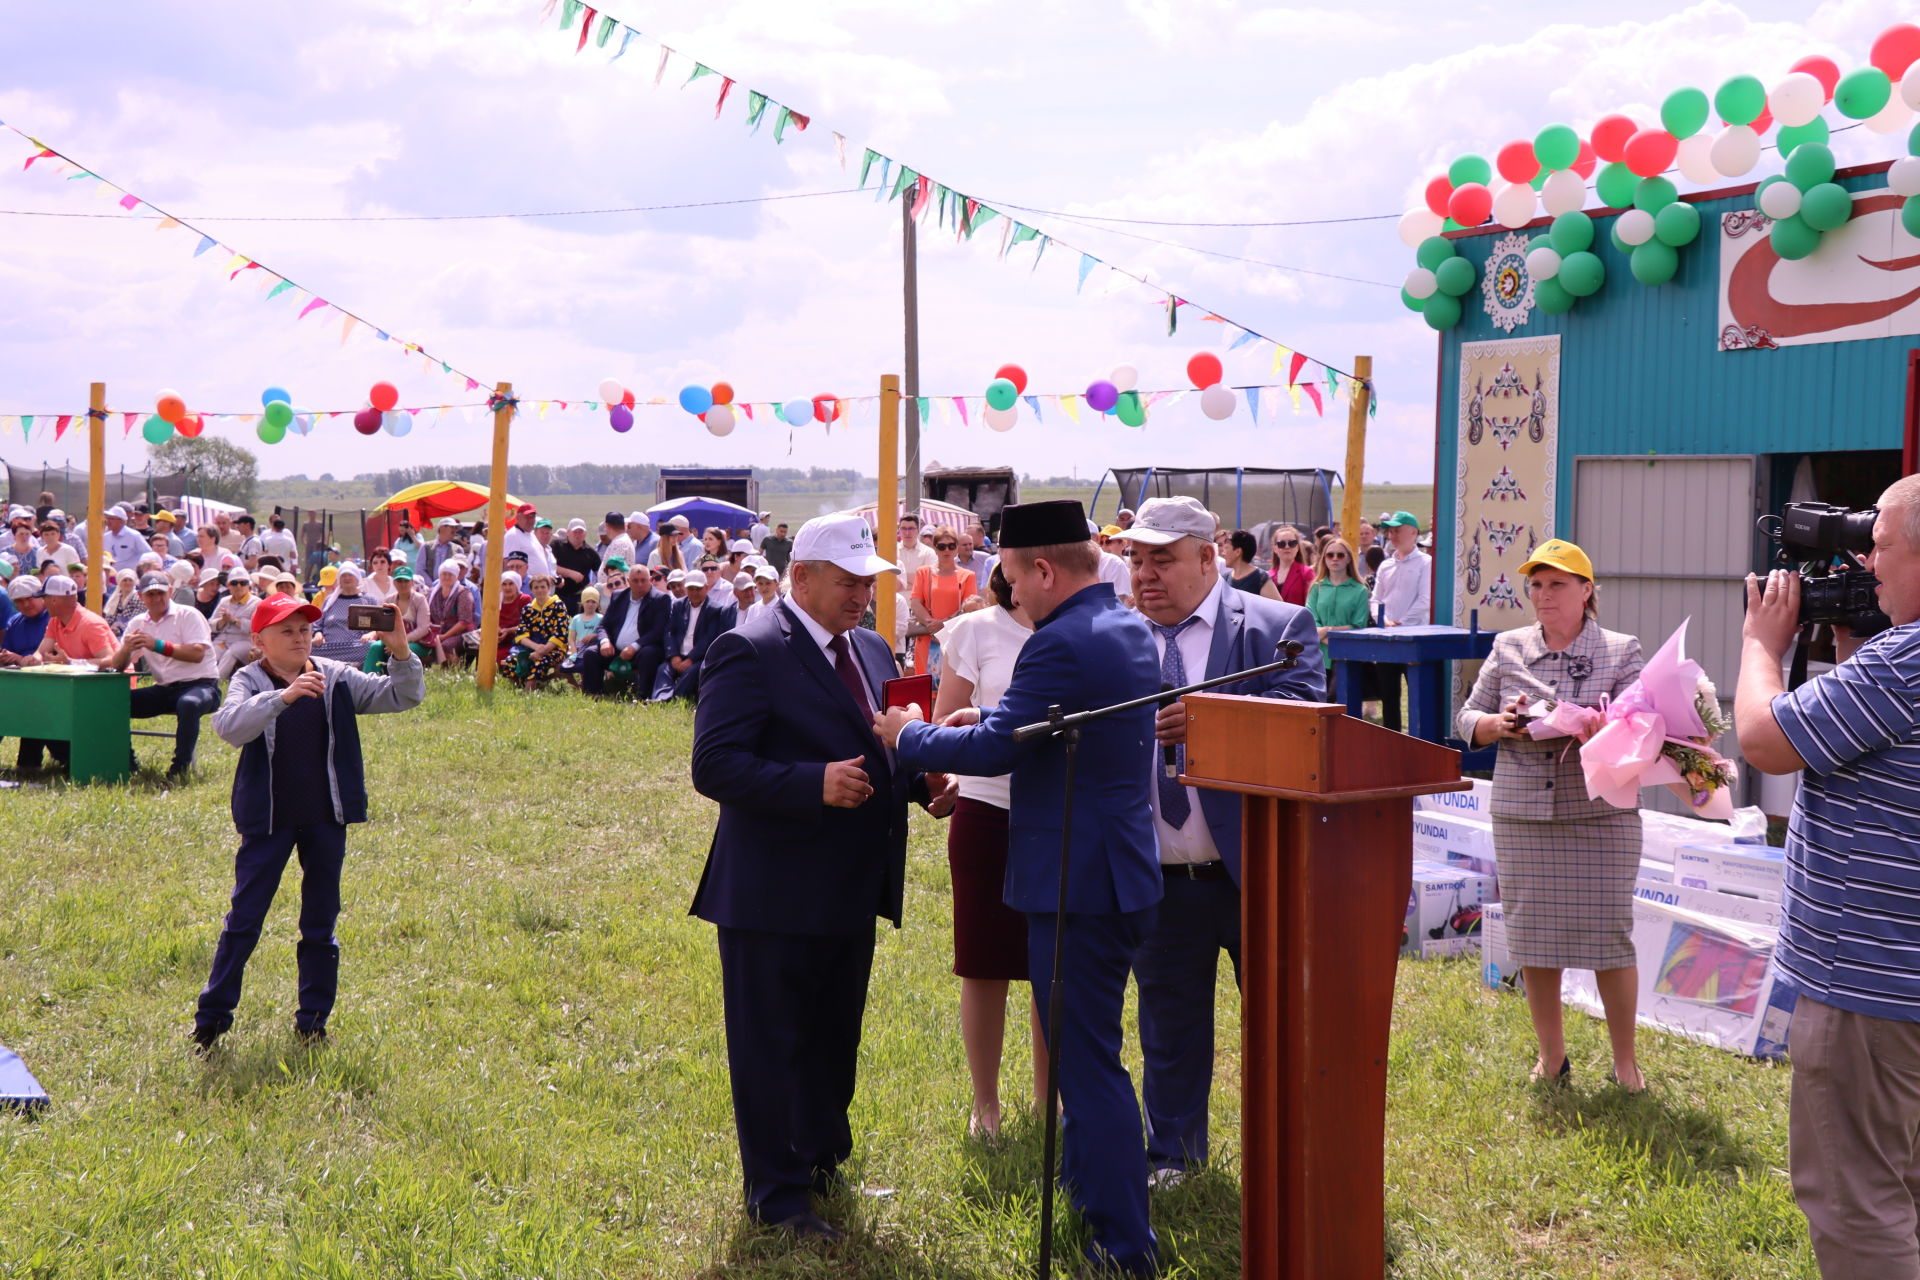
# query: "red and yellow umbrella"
425, 503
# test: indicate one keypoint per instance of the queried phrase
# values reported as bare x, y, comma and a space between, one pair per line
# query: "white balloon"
1780, 200
302, 424
1797, 99
1002, 419
1423, 223
1892, 118
1218, 402
1513, 205
1904, 178
1421, 283
611, 391
719, 419
1543, 263
1910, 87
1736, 150
1696, 159
1564, 192
1634, 227
1124, 377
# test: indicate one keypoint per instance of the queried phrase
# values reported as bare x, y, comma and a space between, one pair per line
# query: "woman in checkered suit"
1567, 863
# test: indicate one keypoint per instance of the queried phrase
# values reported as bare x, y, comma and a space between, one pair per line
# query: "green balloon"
1539, 179
1001, 393
1412, 303
1654, 263
1913, 141
1570, 233
1448, 224
1582, 274
1810, 165
1684, 113
1456, 277
1613, 238
1470, 168
1676, 225
1557, 146
1130, 409
1443, 312
157, 430
1862, 93
268, 432
1615, 183
277, 414
1792, 136
1793, 239
1826, 207
1910, 215
1552, 297
1540, 242
1433, 251
1654, 194
1740, 100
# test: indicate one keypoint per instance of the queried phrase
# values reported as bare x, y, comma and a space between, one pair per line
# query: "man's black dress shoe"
810, 1226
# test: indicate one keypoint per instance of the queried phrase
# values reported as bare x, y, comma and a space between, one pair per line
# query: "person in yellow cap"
166, 522
329, 574
1567, 863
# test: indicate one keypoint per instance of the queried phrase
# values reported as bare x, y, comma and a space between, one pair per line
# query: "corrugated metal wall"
1641, 373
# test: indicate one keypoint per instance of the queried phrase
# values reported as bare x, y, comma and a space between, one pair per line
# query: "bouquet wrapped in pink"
1659, 732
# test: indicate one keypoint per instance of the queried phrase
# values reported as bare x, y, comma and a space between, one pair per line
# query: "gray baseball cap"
1163, 520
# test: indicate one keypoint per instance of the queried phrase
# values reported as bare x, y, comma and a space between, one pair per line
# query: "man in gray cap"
177, 646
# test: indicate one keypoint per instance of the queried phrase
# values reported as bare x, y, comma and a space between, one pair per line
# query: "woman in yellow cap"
1567, 863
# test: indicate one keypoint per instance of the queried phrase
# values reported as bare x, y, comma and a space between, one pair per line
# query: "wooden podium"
1326, 869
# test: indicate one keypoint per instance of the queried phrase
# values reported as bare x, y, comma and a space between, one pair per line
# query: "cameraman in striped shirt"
1850, 940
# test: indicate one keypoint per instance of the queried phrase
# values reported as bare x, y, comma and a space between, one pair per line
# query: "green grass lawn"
527, 1076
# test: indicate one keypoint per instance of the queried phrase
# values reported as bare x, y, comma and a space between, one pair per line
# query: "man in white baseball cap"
810, 846
640, 529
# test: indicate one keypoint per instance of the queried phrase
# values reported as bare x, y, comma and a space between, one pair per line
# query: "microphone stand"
1067, 727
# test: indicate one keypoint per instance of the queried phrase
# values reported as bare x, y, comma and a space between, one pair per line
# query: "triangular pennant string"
1087, 263
756, 108
726, 87
586, 29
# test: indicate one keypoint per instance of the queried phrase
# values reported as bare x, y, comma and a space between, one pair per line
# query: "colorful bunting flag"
726, 87
586, 28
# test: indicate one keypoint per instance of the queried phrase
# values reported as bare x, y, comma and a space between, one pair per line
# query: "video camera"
1812, 535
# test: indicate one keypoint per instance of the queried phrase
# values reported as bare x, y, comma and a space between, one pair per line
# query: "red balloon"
191, 425
1439, 191
1651, 151
723, 393
1205, 370
383, 397
1825, 70
827, 408
1896, 49
1587, 161
1470, 205
367, 421
1611, 135
1015, 374
627, 400
1516, 161
1764, 122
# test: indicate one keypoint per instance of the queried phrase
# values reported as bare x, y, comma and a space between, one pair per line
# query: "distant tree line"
539, 479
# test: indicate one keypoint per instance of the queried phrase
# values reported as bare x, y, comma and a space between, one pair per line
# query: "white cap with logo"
846, 541
1164, 520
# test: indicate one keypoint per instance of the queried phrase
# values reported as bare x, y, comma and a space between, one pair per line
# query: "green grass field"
528, 1078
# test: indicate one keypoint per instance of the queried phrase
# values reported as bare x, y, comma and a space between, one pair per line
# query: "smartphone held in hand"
371, 617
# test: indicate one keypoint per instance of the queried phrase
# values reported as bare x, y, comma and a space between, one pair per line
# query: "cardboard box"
1753, 870
1444, 910
1663, 834
1657, 872
1465, 804
1706, 969
1445, 837
1497, 968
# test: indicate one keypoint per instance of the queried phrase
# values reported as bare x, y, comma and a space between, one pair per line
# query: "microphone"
1169, 752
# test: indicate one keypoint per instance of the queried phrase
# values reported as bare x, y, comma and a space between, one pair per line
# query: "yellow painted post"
496, 531
97, 496
1353, 506
886, 516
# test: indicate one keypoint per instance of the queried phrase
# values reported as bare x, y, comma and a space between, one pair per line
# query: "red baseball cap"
278, 608
528, 509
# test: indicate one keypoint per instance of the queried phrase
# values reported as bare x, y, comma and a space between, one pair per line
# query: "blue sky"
1189, 110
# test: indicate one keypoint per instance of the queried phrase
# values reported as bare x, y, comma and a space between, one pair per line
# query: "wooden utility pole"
886, 514
488, 660
910, 276
1353, 505
97, 496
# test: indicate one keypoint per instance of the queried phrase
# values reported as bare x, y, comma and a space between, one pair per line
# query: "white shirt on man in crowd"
180, 624
1403, 587
516, 539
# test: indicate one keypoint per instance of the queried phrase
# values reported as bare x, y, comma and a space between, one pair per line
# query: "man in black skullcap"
1086, 652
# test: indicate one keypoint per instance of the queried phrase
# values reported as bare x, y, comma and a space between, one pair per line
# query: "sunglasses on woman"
1334, 555
1289, 544
946, 546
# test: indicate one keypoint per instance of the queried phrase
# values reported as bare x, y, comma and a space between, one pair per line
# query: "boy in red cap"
299, 783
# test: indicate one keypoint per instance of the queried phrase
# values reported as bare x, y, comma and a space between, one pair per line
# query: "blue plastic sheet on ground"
19, 1091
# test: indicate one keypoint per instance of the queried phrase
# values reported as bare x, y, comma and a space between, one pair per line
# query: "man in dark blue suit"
1086, 652
811, 846
693, 624
633, 631
1202, 628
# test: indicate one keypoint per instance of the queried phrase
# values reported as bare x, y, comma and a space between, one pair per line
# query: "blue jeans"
1176, 967
256, 877
189, 700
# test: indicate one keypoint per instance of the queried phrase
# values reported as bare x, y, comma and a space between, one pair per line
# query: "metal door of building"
1672, 538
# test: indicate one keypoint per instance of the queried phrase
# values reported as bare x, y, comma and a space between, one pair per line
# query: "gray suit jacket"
1541, 781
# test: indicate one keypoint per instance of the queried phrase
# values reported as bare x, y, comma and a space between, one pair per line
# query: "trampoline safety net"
1243, 497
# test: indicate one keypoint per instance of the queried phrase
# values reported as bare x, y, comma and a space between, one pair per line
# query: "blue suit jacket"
650, 635
715, 621
1088, 653
1245, 635
772, 715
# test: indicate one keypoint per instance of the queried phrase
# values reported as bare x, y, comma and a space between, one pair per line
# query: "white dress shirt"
1404, 588
1192, 841
824, 638
518, 539
693, 623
